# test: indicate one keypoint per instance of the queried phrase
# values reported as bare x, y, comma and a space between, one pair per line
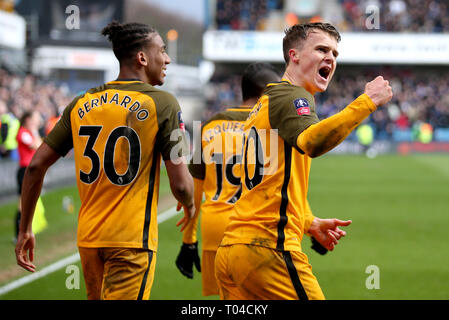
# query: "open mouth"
324, 72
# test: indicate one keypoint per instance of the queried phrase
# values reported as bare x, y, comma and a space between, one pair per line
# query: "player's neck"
128, 73
249, 102
296, 80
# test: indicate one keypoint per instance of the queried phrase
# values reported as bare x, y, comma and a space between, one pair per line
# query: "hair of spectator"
255, 78
25, 116
127, 39
295, 35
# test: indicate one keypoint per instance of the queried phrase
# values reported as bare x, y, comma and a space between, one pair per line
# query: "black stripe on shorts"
145, 276
302, 295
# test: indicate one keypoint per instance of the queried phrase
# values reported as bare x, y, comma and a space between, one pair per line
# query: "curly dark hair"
127, 38
255, 77
295, 35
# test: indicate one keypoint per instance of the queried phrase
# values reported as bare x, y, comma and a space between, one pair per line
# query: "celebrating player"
260, 256
118, 131
218, 176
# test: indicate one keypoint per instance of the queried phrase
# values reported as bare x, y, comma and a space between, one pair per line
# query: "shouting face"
313, 64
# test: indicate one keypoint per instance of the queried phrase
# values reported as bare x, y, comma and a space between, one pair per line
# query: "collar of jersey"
125, 80
283, 81
240, 108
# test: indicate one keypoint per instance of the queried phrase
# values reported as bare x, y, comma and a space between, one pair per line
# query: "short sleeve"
60, 137
292, 113
172, 141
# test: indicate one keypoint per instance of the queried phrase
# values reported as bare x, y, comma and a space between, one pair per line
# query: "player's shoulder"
284, 90
234, 114
137, 87
230, 114
163, 100
284, 98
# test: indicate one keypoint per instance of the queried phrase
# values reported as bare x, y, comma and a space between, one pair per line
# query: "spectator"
29, 140
8, 131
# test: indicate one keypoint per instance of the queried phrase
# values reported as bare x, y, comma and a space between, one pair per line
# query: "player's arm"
197, 169
189, 234
308, 218
173, 145
181, 185
323, 136
188, 254
57, 144
44, 157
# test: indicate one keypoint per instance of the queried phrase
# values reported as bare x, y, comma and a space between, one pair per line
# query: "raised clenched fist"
379, 91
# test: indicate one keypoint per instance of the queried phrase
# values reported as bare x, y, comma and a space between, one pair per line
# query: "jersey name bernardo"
122, 101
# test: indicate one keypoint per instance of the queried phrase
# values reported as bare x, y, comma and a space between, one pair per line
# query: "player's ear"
142, 58
294, 55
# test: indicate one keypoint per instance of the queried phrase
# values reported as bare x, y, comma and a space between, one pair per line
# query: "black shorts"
20, 175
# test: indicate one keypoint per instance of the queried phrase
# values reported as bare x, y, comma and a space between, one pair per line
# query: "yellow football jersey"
118, 132
273, 208
217, 162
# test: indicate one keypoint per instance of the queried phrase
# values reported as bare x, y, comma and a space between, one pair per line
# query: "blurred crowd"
28, 93
346, 15
19, 94
398, 15
244, 15
421, 95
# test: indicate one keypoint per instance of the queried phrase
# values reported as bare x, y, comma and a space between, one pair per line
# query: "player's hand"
25, 251
188, 215
379, 91
187, 257
327, 231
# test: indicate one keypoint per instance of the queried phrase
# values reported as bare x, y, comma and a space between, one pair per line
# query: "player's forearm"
190, 232
181, 182
183, 191
33, 180
31, 189
308, 218
327, 134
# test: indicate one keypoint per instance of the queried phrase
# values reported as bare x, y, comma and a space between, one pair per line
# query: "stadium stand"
421, 98
398, 15
28, 93
348, 15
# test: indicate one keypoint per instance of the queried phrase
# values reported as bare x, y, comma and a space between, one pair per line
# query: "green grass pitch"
399, 206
